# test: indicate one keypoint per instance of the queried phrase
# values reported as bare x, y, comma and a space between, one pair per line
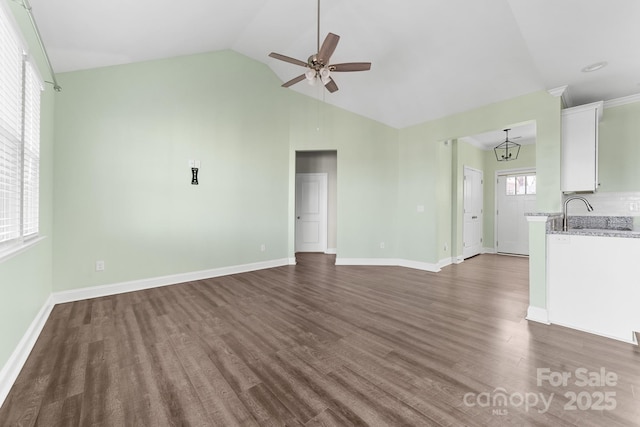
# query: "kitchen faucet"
564, 212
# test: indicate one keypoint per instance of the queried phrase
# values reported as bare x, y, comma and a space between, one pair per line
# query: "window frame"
525, 176
21, 86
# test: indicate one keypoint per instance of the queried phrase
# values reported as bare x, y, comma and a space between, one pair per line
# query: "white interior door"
311, 212
472, 225
515, 196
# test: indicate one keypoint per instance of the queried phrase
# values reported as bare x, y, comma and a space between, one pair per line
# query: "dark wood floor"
320, 345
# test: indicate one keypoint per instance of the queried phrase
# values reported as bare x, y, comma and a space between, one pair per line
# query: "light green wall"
444, 189
619, 149
124, 138
25, 279
419, 165
420, 168
123, 194
471, 157
367, 174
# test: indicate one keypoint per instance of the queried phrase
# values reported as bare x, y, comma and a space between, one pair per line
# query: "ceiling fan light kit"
319, 67
508, 150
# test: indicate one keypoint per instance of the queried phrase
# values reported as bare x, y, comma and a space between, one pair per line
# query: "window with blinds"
20, 89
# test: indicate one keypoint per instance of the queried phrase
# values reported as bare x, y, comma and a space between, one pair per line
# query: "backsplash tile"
608, 204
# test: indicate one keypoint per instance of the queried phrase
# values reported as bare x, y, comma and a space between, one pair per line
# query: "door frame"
464, 168
499, 173
324, 231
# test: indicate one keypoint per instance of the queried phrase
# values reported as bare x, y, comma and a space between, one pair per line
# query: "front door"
516, 195
472, 225
311, 212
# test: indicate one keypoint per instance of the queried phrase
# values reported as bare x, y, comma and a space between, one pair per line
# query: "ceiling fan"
319, 67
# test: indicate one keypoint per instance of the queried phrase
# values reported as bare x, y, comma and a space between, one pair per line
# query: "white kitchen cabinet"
593, 284
580, 147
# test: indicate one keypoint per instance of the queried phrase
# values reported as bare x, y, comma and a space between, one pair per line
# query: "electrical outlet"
381, 245
263, 247
99, 265
446, 247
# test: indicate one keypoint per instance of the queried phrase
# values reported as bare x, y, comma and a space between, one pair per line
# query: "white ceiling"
431, 58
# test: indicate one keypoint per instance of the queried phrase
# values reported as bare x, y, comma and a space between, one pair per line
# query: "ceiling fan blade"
331, 86
328, 47
351, 66
288, 59
294, 81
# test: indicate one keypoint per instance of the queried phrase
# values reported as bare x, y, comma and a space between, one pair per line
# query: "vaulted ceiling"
431, 58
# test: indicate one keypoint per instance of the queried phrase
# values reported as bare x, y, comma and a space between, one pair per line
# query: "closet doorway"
312, 201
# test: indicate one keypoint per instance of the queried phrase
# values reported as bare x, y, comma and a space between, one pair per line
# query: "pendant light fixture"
508, 150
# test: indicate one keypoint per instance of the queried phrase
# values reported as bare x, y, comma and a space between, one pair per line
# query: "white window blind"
20, 89
31, 152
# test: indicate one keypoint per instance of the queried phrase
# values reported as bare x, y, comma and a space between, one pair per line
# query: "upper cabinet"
580, 147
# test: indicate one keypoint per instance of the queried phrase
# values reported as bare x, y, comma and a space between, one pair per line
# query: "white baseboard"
331, 251
424, 266
292, 261
386, 262
155, 282
389, 262
445, 262
489, 251
12, 368
537, 314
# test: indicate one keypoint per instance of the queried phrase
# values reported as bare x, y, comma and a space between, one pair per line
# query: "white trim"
515, 171
138, 285
631, 99
14, 250
562, 92
424, 266
331, 251
489, 251
292, 261
391, 262
537, 314
466, 168
13, 366
445, 262
598, 106
537, 218
386, 262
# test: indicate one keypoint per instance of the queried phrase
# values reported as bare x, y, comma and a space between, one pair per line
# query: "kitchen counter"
592, 281
598, 226
598, 232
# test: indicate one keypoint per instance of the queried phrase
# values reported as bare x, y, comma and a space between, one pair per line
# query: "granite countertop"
599, 226
599, 232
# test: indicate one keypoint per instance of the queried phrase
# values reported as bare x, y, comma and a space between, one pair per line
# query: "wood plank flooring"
322, 345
